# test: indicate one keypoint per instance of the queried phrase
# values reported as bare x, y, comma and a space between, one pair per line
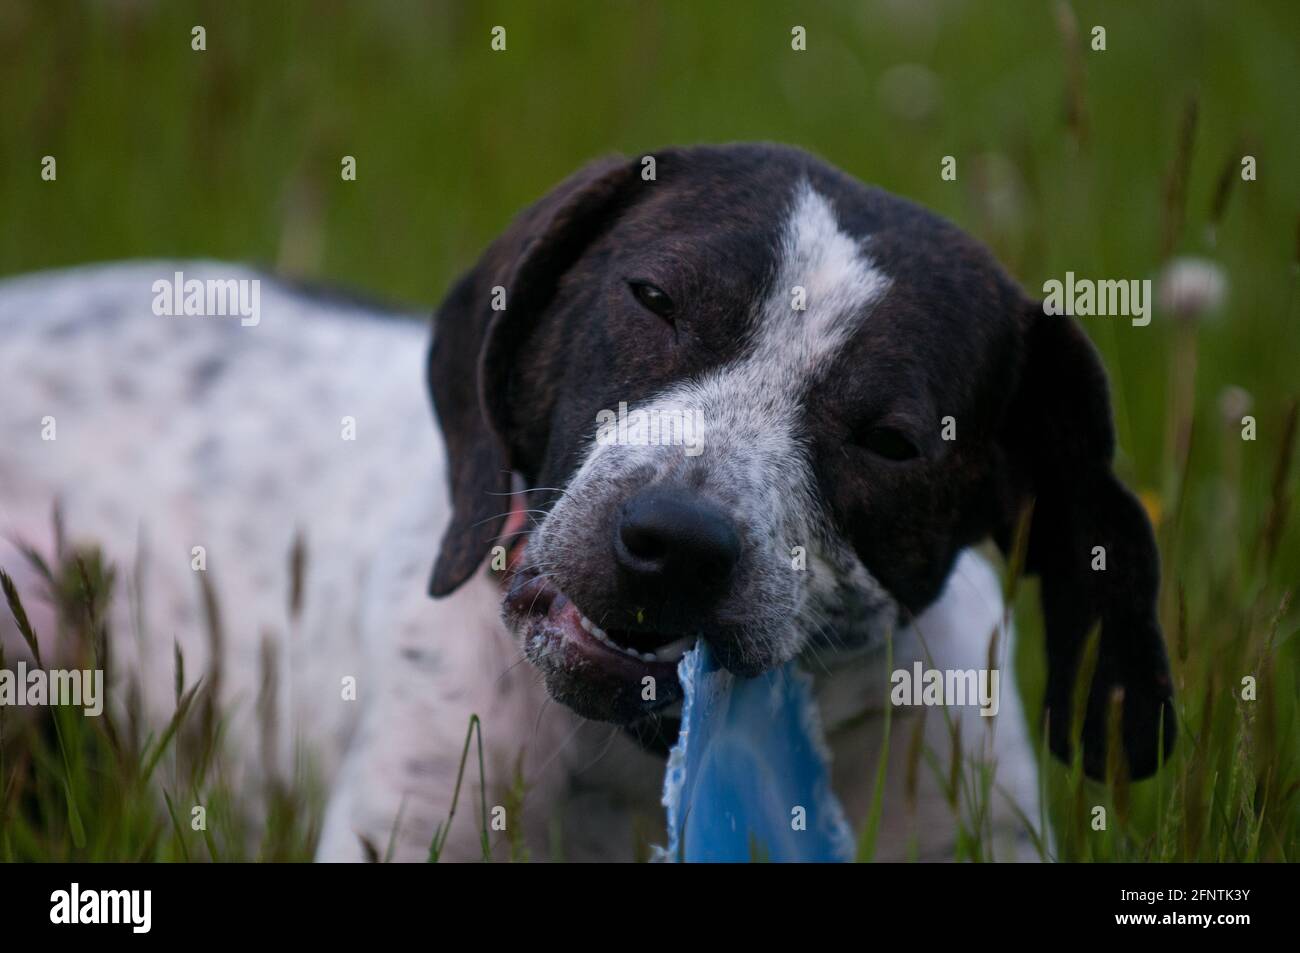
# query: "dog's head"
754, 401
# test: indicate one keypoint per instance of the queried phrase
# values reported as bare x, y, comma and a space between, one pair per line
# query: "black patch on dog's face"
938, 352
826, 427
706, 234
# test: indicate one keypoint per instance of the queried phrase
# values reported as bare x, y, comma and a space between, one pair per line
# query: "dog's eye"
888, 443
653, 299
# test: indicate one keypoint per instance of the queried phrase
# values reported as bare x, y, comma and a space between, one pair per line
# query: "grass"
76, 788
114, 788
1110, 164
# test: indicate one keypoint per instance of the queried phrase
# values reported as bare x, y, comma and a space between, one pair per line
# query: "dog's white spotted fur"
179, 432
175, 432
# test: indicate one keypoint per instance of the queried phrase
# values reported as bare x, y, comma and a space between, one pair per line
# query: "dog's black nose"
674, 543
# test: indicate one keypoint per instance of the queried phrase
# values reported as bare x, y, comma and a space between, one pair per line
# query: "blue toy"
749, 777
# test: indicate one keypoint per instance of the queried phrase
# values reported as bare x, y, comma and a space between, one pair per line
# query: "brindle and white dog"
821, 331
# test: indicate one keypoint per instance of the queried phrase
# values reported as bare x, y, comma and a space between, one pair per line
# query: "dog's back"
199, 448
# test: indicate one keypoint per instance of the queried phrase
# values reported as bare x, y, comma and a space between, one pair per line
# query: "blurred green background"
235, 152
1107, 163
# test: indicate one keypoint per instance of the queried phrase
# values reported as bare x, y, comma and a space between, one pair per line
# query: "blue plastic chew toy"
749, 777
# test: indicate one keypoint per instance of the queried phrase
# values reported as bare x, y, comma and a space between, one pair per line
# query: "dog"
873, 400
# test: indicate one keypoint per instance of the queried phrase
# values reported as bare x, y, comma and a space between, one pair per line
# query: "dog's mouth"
609, 674
537, 600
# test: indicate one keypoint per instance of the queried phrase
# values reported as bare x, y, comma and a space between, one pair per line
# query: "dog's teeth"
668, 653
594, 630
675, 650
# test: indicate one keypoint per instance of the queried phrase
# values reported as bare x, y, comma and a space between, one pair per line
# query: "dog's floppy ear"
1061, 441
468, 367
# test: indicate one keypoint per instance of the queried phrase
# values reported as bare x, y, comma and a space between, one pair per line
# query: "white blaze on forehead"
839, 286
756, 396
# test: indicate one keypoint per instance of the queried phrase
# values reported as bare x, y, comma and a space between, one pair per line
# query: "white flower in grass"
1191, 288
